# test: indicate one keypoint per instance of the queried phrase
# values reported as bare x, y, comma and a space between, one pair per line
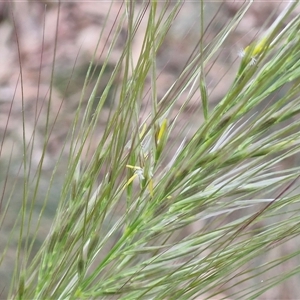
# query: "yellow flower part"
130, 180
133, 167
139, 173
162, 130
257, 48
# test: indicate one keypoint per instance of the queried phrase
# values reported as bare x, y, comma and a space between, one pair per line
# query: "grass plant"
122, 220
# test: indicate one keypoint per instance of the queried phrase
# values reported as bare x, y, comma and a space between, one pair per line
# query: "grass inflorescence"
142, 202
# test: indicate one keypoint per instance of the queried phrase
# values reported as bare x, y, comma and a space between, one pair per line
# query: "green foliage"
119, 230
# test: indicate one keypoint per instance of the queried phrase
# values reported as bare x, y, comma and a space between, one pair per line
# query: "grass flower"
140, 214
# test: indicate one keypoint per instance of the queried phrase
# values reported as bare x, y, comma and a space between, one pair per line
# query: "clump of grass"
119, 230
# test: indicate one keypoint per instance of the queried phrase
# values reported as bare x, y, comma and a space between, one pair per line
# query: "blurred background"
36, 34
